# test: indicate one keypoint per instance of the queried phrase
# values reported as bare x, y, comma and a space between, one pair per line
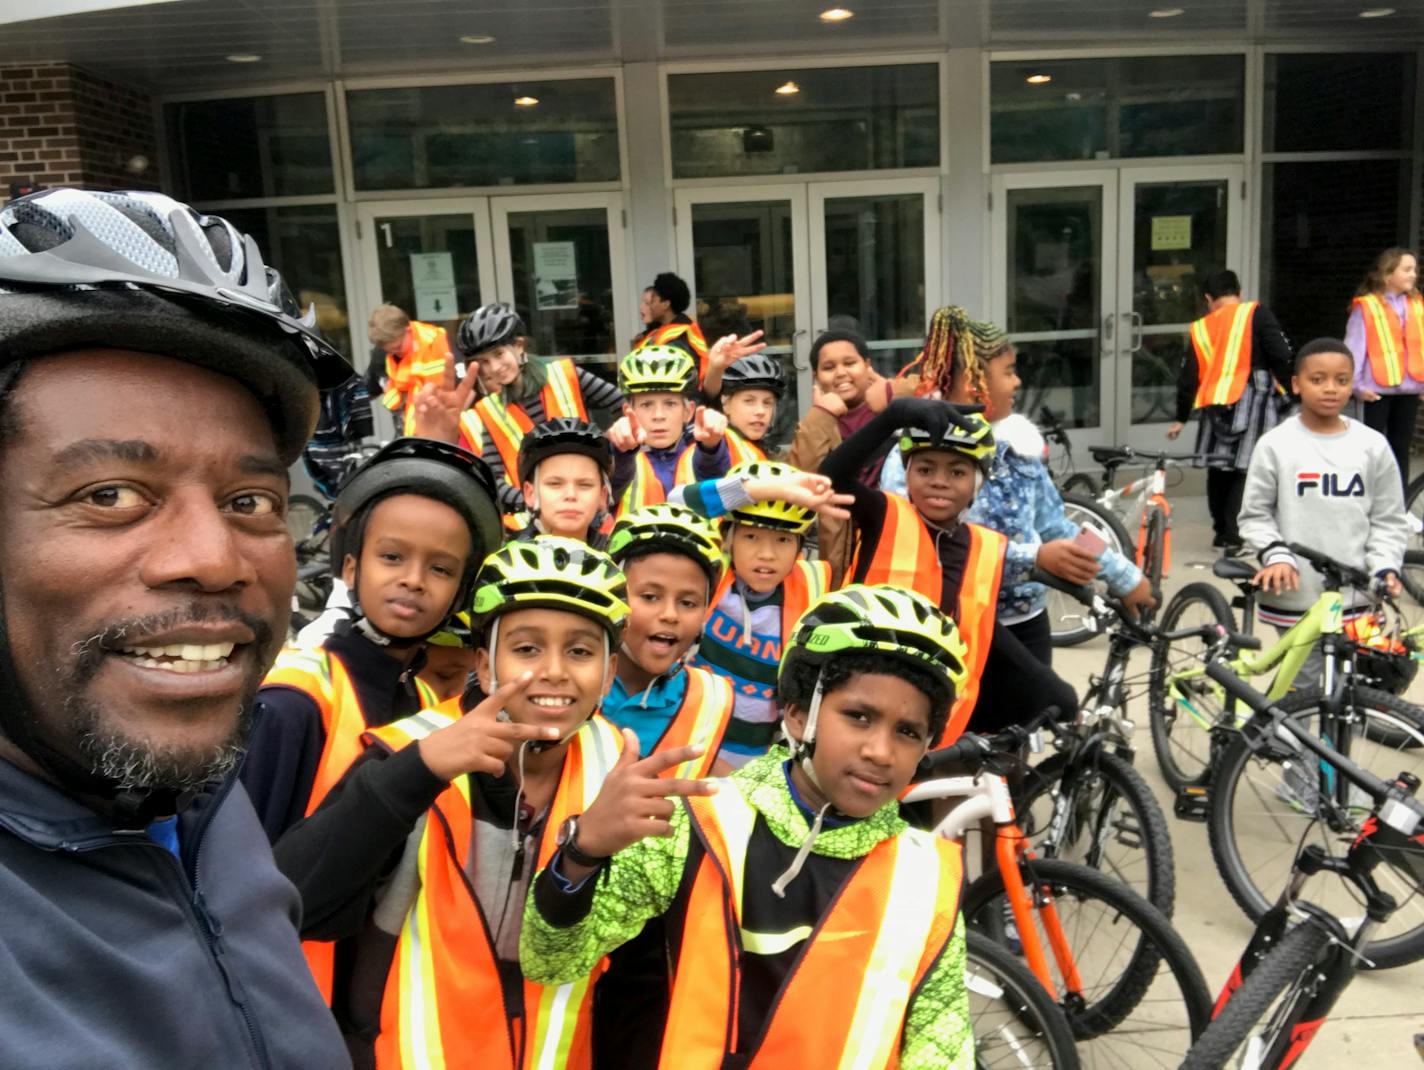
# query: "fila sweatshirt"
1338, 494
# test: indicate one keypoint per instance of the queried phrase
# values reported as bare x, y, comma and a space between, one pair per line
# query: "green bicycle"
1261, 805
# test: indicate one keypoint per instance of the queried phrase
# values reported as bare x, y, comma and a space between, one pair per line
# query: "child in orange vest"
777, 891
416, 354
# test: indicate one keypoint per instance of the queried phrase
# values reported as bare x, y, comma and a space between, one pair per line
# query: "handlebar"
1329, 567
976, 751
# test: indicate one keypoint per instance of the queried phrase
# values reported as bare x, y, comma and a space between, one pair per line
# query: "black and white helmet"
142, 271
489, 326
756, 372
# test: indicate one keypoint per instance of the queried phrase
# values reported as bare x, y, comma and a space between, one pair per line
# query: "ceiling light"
476, 39
1166, 13
243, 57
837, 14
1376, 12
1039, 79
787, 89
525, 102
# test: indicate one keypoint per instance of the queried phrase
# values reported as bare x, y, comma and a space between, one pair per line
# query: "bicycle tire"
1153, 546
1081, 484
1281, 795
1065, 613
1149, 869
1414, 498
1412, 575
1028, 1028
1181, 744
1284, 970
1105, 920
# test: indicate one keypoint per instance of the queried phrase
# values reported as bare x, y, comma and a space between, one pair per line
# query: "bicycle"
1301, 957
1122, 976
1254, 800
1016, 1023
1058, 458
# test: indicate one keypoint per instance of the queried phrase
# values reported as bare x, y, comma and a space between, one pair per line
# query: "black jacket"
113, 952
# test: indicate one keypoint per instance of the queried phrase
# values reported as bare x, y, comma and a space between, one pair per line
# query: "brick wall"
61, 125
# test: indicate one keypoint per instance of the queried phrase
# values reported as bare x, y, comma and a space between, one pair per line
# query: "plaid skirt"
1226, 434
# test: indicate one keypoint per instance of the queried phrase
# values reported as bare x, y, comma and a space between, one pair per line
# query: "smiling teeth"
551, 702
181, 657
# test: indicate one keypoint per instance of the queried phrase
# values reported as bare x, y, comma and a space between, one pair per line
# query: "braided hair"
957, 344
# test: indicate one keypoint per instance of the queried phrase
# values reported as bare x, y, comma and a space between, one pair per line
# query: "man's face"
147, 568
653, 309
568, 491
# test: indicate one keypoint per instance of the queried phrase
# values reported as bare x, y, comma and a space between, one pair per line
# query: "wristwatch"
567, 839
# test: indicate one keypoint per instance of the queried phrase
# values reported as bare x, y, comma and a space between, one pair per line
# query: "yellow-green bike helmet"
776, 515
456, 632
668, 528
553, 573
971, 437
657, 370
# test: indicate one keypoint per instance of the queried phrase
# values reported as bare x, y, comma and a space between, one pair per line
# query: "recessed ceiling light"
787, 89
243, 57
1039, 79
1166, 13
525, 102
837, 14
476, 39
1376, 12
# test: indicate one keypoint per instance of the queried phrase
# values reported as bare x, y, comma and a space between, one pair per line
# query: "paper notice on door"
1171, 232
555, 274
432, 277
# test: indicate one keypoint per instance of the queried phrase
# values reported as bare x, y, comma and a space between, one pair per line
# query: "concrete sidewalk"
1379, 1014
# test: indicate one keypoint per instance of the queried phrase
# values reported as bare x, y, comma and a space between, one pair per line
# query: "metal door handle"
1135, 318
796, 361
1107, 331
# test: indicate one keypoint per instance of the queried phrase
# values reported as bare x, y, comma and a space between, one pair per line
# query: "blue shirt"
648, 717
165, 834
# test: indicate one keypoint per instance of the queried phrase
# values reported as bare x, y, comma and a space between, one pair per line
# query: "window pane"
404, 245
569, 313
1359, 101
1116, 108
875, 265
501, 134
1322, 226
851, 119
250, 147
304, 244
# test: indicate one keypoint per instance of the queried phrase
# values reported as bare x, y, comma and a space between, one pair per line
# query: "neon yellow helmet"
776, 515
657, 370
669, 528
456, 632
553, 573
974, 440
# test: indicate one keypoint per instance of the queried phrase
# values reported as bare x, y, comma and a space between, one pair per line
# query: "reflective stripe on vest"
1392, 346
322, 677
443, 1005
1222, 342
472, 432
645, 488
977, 610
905, 556
803, 587
740, 450
845, 1002
686, 336
701, 720
422, 361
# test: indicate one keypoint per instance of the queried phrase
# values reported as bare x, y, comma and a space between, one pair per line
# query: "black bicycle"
1302, 957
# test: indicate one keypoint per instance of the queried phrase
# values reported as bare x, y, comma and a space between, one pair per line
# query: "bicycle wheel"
1264, 806
1180, 723
1113, 824
1065, 613
1016, 1023
1265, 1008
1080, 484
1154, 544
1141, 998
1412, 576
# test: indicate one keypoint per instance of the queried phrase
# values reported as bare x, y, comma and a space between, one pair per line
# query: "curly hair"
1383, 268
954, 345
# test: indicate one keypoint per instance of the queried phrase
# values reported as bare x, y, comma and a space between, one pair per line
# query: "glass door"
744, 253
559, 261
1176, 227
875, 263
1053, 289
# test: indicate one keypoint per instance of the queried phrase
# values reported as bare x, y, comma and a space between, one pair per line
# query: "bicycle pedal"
1192, 804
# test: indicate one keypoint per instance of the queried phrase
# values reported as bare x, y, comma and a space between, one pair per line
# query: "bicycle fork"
1010, 847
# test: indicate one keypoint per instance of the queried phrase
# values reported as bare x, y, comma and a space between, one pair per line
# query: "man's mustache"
115, 636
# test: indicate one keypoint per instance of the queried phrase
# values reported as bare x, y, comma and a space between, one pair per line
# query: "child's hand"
635, 801
1392, 585
1175, 429
480, 742
1277, 578
626, 435
1367, 395
1067, 560
823, 399
732, 348
806, 489
1139, 598
438, 407
708, 427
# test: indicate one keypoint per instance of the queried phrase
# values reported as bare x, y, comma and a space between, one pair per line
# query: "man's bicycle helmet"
668, 528
779, 516
489, 326
973, 439
756, 372
144, 272
657, 369
563, 434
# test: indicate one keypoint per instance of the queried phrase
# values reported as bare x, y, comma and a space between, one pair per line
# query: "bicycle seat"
1112, 454
1237, 571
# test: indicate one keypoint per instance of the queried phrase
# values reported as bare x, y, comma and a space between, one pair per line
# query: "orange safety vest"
321, 676
702, 719
1393, 347
1222, 341
443, 1004
472, 432
421, 361
686, 336
805, 585
740, 450
906, 557
645, 488
848, 995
